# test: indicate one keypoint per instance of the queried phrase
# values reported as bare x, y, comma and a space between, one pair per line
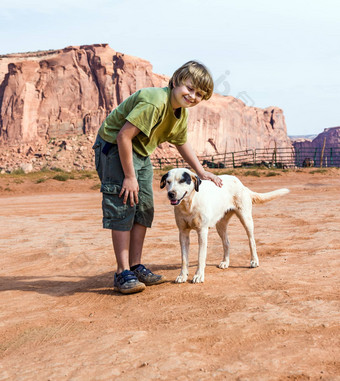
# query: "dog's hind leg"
184, 240
202, 255
221, 228
248, 223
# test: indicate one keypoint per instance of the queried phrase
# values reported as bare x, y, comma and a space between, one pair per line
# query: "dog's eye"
181, 181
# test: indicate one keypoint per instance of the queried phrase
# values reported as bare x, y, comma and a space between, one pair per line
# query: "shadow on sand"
63, 285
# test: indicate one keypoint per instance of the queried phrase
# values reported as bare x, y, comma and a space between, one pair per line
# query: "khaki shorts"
116, 215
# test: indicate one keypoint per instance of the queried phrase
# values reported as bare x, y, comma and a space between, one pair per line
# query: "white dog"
200, 205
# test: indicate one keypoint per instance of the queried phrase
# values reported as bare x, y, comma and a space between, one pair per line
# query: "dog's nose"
171, 195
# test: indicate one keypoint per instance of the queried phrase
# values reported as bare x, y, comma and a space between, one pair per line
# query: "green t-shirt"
149, 110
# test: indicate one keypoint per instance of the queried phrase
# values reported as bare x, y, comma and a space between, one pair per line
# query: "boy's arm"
130, 186
190, 157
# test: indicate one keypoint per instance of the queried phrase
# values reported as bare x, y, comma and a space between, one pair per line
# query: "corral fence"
289, 157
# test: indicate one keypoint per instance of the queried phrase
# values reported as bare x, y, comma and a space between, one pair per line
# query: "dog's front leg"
184, 240
202, 255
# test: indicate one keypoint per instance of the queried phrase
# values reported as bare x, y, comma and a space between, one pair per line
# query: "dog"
200, 204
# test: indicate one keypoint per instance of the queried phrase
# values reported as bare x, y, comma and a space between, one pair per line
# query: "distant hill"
294, 138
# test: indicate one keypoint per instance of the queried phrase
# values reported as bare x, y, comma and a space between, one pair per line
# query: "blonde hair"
198, 74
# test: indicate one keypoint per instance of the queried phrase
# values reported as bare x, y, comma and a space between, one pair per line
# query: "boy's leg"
136, 244
135, 256
128, 246
125, 280
121, 245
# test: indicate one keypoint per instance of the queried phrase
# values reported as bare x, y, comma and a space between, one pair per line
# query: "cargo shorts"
116, 215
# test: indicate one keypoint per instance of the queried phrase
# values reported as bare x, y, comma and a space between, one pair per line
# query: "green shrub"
41, 180
167, 168
86, 175
56, 169
96, 186
321, 170
270, 174
252, 173
18, 181
18, 171
61, 177
45, 169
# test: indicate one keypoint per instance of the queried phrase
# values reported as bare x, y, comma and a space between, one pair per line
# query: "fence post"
232, 155
322, 152
331, 156
160, 163
254, 157
315, 156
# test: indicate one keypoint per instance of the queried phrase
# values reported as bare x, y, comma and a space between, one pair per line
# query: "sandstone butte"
330, 136
62, 97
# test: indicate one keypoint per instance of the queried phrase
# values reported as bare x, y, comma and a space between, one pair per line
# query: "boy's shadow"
67, 285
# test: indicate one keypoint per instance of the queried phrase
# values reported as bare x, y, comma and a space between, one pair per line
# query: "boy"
124, 143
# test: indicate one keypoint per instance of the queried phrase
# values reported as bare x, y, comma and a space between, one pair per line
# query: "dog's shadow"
192, 265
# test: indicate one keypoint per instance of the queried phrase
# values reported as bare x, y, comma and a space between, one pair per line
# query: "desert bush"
86, 175
61, 177
270, 174
57, 169
18, 171
41, 180
167, 168
321, 170
252, 173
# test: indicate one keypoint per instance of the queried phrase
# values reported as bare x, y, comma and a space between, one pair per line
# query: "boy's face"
185, 95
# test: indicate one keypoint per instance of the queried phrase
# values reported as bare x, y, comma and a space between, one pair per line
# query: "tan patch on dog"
193, 223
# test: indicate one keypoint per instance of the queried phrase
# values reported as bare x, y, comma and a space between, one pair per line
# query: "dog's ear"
163, 180
197, 182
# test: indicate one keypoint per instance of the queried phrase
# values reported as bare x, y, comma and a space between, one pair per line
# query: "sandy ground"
61, 320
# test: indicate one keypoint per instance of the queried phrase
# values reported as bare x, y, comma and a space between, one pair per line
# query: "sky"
264, 52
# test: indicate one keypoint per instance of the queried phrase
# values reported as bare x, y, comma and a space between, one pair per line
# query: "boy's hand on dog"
210, 176
130, 190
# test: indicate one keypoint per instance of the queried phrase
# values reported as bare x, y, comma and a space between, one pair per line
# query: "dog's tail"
260, 198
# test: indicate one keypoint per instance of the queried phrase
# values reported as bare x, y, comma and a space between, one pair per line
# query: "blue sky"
267, 53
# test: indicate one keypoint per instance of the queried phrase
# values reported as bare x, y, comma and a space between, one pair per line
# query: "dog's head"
180, 183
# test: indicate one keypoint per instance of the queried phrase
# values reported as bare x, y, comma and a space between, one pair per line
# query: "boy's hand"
190, 157
130, 190
210, 176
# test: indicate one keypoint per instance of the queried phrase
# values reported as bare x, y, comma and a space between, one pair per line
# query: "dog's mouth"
176, 202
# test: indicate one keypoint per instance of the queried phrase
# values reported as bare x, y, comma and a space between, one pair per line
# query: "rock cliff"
312, 149
59, 98
332, 136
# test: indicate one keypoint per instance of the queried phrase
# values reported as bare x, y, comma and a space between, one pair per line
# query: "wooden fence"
266, 157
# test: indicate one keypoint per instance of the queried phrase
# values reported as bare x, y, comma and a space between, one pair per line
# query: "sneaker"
127, 283
147, 277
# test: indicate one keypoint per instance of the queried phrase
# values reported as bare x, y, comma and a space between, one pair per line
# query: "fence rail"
269, 157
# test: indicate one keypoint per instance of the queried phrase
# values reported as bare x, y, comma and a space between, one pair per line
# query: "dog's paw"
198, 278
181, 278
224, 265
254, 263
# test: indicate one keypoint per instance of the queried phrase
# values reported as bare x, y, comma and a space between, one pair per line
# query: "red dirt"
61, 320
